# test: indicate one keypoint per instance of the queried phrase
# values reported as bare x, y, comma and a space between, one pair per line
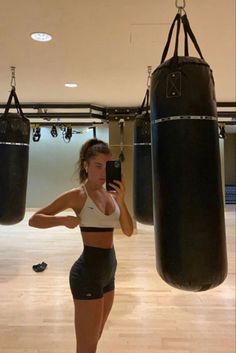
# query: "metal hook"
180, 7
13, 77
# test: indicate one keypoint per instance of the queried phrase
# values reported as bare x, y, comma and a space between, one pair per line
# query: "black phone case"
113, 172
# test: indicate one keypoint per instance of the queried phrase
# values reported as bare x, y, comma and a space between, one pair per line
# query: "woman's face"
96, 169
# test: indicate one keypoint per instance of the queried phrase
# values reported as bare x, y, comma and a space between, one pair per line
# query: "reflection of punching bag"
14, 150
142, 175
188, 199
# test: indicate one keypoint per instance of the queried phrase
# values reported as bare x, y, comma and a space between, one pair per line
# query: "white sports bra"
94, 220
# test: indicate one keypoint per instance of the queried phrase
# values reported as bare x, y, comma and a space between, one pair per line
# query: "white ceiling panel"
105, 46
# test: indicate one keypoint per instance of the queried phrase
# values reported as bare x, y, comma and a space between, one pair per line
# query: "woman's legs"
90, 318
108, 302
88, 323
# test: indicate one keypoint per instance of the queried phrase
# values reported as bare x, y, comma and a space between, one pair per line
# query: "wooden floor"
148, 316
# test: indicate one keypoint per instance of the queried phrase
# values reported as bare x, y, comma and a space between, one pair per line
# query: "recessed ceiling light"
71, 85
41, 37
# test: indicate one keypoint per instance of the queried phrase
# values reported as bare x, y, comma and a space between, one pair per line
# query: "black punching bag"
14, 150
142, 166
188, 198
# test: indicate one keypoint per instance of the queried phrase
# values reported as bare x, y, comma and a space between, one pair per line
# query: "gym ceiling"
105, 46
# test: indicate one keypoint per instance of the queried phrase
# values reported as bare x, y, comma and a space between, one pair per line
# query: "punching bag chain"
13, 77
145, 103
148, 86
149, 68
121, 125
13, 85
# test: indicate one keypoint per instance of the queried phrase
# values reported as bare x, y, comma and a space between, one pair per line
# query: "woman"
97, 213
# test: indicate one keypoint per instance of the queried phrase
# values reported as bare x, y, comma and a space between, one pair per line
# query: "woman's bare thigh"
108, 302
88, 321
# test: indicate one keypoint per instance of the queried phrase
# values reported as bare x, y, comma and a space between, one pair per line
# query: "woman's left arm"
126, 221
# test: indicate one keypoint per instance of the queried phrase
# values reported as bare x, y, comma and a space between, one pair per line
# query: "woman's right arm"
46, 216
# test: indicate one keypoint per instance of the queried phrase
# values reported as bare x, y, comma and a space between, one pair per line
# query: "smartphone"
113, 172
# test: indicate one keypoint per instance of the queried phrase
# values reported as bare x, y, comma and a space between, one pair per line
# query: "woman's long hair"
89, 150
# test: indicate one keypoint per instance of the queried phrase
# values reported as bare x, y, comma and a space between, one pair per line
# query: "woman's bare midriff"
98, 240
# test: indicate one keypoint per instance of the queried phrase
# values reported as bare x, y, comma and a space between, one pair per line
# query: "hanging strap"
176, 19
186, 52
145, 103
17, 104
187, 33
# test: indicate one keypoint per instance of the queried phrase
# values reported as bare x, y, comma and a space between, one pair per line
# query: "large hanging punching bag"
142, 164
188, 199
14, 150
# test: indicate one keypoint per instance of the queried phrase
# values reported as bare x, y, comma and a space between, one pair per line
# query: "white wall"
52, 164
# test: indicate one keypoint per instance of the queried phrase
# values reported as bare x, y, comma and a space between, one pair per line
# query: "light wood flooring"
148, 316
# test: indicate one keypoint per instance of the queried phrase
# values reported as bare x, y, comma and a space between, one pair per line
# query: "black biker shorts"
93, 274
